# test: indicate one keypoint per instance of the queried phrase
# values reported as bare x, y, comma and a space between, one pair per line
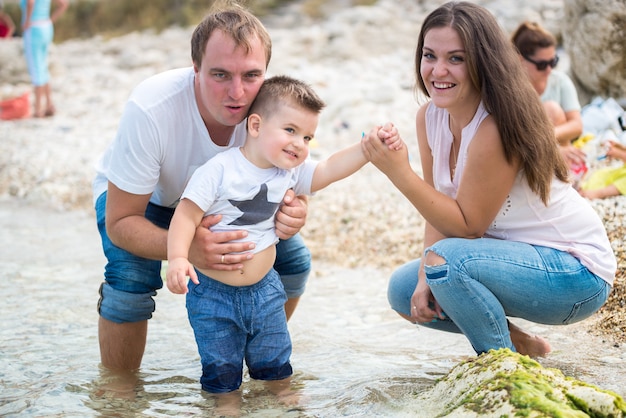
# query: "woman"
506, 234
537, 52
38, 31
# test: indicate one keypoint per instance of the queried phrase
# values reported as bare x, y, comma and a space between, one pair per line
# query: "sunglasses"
542, 65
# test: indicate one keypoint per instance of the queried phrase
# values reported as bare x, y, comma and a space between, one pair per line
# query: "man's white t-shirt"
160, 141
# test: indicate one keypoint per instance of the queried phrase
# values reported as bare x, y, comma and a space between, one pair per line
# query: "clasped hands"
384, 147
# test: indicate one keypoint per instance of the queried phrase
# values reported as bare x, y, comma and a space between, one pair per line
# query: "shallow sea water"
352, 356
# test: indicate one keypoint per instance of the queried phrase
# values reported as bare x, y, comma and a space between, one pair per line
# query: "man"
172, 123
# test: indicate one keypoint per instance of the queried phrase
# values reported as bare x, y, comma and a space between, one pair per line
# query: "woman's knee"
433, 259
555, 113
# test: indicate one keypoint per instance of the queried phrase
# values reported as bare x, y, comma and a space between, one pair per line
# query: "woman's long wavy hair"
507, 94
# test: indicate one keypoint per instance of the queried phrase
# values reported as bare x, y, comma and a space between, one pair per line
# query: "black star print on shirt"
255, 210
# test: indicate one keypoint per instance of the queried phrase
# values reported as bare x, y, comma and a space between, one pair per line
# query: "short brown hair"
280, 89
235, 21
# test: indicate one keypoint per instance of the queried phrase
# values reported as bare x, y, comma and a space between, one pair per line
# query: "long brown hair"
495, 70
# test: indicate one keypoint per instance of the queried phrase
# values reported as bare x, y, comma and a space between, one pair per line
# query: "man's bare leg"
118, 384
290, 306
526, 344
122, 345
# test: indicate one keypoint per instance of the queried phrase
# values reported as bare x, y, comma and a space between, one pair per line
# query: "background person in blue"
38, 32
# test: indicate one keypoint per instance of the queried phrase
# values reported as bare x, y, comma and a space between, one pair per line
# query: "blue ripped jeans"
482, 281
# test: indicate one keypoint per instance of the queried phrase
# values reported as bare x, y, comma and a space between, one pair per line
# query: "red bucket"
16, 107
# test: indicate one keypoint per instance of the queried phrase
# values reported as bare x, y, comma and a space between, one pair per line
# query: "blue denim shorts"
235, 323
130, 282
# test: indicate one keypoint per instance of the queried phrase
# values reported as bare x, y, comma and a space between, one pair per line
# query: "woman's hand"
384, 148
423, 302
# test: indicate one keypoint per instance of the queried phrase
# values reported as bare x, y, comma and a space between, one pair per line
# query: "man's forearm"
140, 237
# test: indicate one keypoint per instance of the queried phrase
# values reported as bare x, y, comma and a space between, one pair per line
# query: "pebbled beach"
360, 61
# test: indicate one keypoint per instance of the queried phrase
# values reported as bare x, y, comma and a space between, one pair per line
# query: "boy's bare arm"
338, 166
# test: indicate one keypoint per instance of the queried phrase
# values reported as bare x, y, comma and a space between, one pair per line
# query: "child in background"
608, 181
239, 314
38, 19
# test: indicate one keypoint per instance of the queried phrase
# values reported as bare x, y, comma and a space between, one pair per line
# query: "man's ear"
254, 124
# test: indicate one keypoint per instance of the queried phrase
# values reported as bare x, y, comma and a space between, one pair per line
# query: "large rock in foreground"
506, 384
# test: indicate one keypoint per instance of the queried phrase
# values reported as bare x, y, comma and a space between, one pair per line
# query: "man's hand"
214, 250
291, 216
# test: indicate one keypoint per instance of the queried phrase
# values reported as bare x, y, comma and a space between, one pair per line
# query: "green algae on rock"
502, 383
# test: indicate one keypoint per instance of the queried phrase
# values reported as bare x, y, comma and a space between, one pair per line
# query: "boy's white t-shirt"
245, 195
160, 141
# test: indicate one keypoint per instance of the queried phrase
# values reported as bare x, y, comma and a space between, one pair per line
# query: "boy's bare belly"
253, 270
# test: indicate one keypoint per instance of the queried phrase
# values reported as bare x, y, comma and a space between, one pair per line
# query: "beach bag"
15, 107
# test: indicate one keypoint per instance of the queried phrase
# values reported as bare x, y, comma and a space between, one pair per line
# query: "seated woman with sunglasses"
537, 49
